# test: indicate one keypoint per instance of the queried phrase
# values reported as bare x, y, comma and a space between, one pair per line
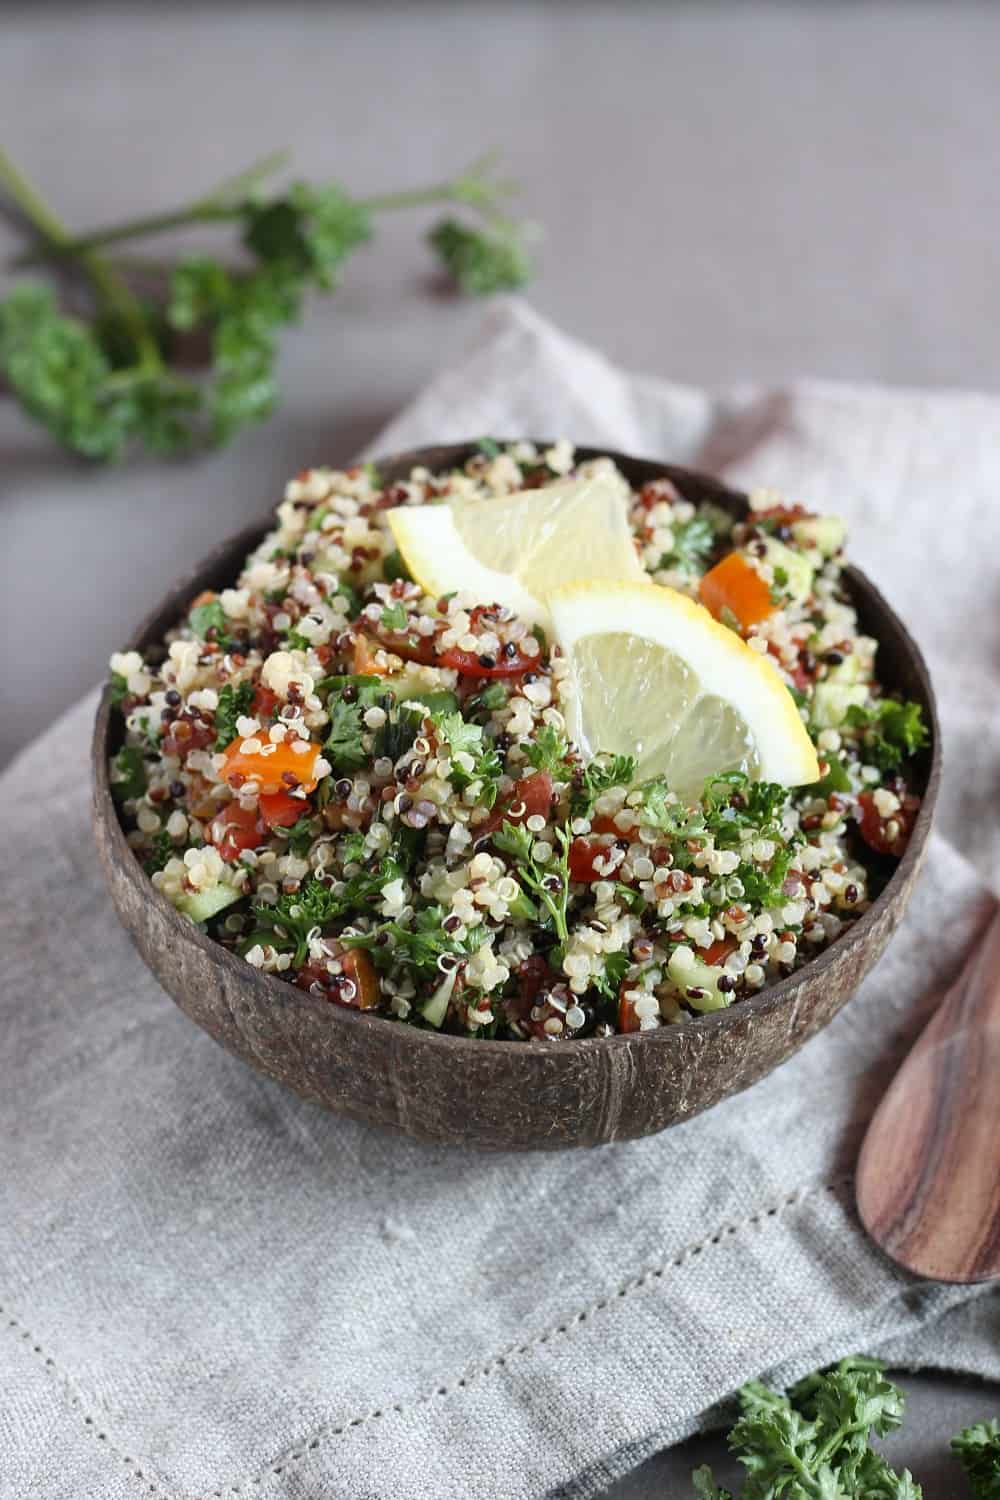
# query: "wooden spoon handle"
928, 1182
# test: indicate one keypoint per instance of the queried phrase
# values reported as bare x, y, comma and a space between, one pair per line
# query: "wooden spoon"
928, 1180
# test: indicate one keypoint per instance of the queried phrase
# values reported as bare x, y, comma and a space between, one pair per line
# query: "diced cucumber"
688, 971
200, 905
435, 700
851, 669
798, 572
824, 533
435, 1007
832, 699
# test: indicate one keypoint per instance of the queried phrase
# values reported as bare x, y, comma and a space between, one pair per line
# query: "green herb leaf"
161, 850
343, 747
891, 731
418, 947
548, 882
835, 780
206, 617
693, 543
616, 966
482, 261
302, 835
394, 617
394, 567
119, 688
128, 774
235, 702
548, 751
977, 1449
488, 447
467, 740
291, 918
602, 774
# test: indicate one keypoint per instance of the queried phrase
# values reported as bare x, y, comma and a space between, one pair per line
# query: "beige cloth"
211, 1289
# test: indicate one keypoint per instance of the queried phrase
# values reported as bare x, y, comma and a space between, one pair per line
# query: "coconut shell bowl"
503, 1095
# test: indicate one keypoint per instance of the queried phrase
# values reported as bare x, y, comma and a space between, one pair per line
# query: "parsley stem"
218, 206
109, 287
225, 202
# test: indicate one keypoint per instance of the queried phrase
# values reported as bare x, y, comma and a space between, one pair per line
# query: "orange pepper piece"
363, 658
735, 586
358, 967
277, 769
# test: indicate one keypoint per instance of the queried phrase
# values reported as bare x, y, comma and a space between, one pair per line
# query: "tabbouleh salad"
370, 792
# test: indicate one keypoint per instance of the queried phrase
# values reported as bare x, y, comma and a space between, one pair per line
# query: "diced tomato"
734, 586
531, 796
233, 829
627, 1018
358, 967
274, 772
875, 828
281, 809
783, 515
470, 665
716, 952
603, 823
265, 702
411, 646
584, 854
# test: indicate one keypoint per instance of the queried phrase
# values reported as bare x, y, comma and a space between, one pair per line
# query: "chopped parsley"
348, 699
206, 617
599, 777
548, 751
119, 688
394, 567
891, 731
693, 544
302, 835
128, 774
235, 702
351, 598
397, 734
418, 947
468, 741
488, 448
608, 983
549, 882
977, 1449
162, 849
394, 617
835, 780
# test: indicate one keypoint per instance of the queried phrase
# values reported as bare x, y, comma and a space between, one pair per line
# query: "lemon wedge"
653, 675
516, 549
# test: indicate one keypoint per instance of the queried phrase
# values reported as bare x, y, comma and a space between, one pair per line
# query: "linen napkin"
210, 1289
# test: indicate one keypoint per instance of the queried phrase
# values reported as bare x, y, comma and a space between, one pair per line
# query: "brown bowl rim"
772, 997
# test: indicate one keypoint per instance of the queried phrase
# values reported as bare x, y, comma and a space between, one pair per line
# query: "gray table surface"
729, 191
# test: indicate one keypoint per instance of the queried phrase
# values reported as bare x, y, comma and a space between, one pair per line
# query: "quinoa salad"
369, 791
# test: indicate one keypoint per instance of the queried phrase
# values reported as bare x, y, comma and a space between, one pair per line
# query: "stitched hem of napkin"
97, 1429
302, 1450
323, 1435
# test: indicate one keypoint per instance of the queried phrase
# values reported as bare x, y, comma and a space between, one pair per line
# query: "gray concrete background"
729, 191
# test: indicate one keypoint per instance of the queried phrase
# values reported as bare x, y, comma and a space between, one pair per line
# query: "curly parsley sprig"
110, 381
814, 1441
